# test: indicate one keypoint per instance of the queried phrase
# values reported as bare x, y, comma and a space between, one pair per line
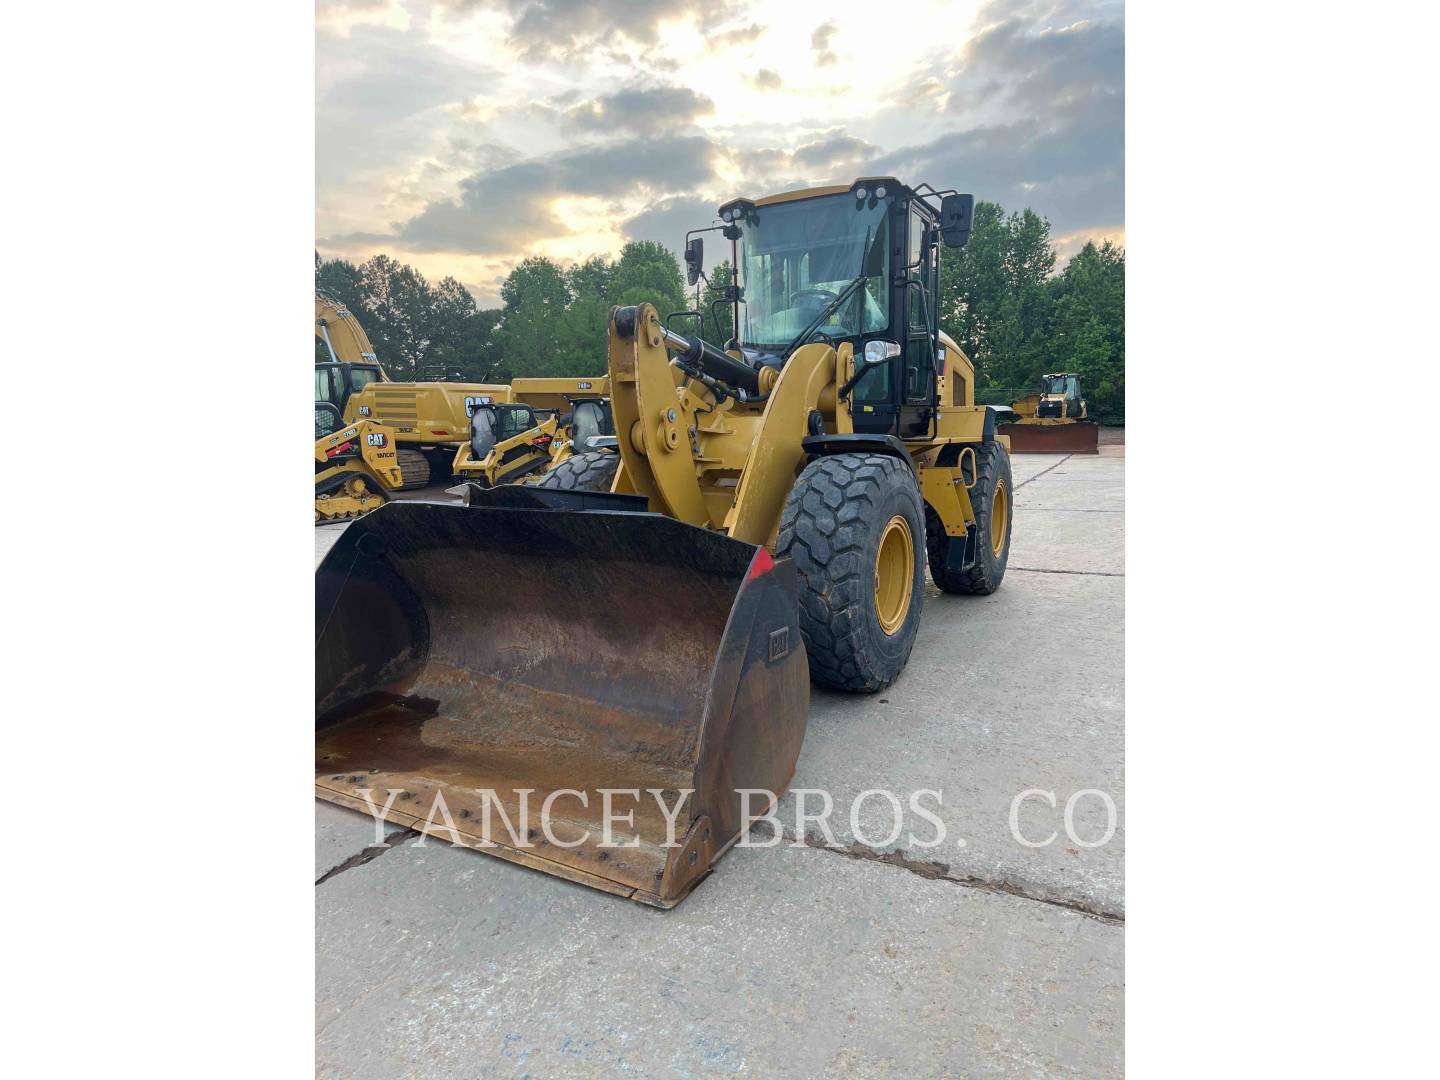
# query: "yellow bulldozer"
428, 420
606, 680
1054, 421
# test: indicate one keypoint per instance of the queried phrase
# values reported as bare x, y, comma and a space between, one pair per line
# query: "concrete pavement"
895, 959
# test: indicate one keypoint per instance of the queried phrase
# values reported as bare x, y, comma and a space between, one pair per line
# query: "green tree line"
1001, 299
1003, 303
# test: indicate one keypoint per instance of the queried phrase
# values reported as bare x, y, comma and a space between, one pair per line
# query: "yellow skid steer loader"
605, 676
510, 443
355, 466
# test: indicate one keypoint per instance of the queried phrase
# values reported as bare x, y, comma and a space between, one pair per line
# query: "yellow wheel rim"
894, 574
999, 518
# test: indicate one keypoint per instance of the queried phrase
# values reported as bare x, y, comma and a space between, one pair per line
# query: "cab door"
919, 359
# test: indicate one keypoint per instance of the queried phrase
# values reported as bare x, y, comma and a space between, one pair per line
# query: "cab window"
327, 385
874, 386
362, 377
921, 270
515, 421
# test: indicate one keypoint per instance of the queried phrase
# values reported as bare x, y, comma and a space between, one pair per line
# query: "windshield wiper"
825, 313
834, 305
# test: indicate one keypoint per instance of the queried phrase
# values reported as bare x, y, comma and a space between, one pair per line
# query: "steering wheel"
823, 294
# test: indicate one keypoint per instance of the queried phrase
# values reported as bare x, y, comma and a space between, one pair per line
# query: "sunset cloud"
464, 135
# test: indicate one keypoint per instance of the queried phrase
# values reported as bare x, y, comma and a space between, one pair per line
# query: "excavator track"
414, 469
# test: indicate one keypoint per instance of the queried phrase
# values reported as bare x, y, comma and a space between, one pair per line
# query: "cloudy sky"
462, 135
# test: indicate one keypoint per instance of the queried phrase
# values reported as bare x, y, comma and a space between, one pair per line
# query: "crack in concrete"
938, 871
1082, 573
1042, 472
360, 858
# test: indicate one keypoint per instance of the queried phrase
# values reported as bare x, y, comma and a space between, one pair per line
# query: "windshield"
796, 257
1057, 386
482, 432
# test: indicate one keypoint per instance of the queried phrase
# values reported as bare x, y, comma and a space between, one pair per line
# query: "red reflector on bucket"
763, 563
438, 431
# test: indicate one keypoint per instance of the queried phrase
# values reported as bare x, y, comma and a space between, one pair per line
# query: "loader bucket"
487, 673
1068, 437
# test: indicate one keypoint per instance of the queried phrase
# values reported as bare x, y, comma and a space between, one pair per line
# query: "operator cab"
858, 264
1066, 388
336, 381
492, 423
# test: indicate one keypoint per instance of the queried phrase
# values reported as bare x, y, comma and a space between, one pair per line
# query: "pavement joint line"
374, 851
1042, 472
938, 871
1082, 573
1067, 510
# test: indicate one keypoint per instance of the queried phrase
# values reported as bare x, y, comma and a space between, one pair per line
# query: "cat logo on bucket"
376, 438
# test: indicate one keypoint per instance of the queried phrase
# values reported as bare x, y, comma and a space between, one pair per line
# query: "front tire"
594, 471
854, 525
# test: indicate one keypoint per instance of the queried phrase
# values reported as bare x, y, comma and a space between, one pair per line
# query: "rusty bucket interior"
488, 673
1056, 437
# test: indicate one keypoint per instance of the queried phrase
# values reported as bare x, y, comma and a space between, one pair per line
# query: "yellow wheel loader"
643, 674
427, 420
355, 466
1054, 421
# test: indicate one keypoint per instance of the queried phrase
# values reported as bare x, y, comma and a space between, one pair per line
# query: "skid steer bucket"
546, 685
1068, 437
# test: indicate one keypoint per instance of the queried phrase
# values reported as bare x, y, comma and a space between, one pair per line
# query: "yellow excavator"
428, 420
1054, 421
608, 681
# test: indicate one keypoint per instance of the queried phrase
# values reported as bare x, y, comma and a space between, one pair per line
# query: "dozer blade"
1074, 437
479, 665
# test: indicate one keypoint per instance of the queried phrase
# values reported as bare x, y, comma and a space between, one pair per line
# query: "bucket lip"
716, 552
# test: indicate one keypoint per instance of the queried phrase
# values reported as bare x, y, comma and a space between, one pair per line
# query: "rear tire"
853, 525
594, 471
414, 469
993, 500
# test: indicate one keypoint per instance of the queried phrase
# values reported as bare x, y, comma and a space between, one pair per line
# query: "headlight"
728, 215
861, 192
877, 351
880, 192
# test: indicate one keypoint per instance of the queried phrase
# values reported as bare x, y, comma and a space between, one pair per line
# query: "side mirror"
694, 259
957, 212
